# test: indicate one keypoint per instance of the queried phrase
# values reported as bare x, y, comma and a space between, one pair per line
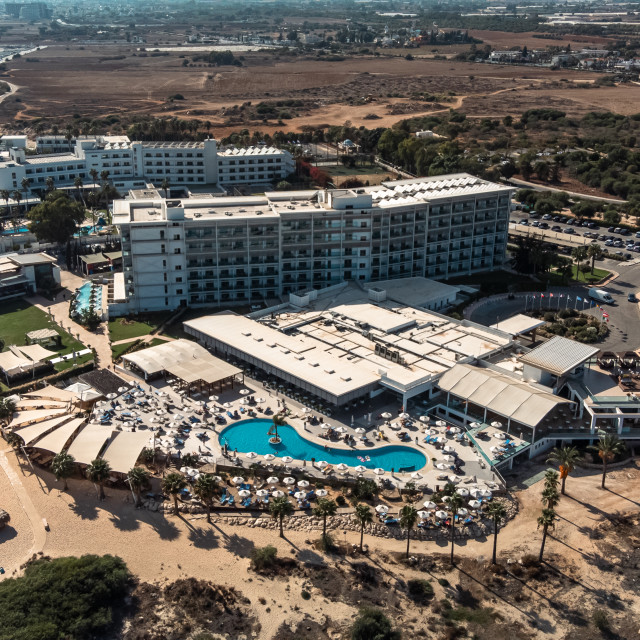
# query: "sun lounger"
391, 521
230, 414
231, 501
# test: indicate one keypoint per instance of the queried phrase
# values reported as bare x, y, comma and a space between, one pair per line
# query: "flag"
569, 298
605, 314
578, 298
551, 295
542, 295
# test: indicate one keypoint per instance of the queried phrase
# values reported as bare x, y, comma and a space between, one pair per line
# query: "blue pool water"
251, 435
83, 295
10, 232
85, 231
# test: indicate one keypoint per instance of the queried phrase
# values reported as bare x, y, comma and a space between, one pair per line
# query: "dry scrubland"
197, 576
62, 82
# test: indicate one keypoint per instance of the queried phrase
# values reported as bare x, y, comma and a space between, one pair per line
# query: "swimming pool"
251, 435
10, 232
83, 298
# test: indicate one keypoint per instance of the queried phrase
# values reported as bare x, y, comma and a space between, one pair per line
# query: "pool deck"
473, 466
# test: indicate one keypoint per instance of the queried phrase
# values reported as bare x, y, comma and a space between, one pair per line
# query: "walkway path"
573, 194
59, 309
35, 519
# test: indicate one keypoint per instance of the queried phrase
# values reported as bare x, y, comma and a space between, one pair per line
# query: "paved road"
624, 316
538, 187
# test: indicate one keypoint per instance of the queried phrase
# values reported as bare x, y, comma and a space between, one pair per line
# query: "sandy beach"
159, 547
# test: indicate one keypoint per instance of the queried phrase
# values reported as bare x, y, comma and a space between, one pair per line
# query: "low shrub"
420, 589
263, 557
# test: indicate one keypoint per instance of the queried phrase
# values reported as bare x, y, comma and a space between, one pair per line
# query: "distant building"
23, 274
28, 10
132, 165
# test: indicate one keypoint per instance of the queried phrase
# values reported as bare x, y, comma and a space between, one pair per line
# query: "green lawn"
359, 170
143, 325
18, 317
598, 274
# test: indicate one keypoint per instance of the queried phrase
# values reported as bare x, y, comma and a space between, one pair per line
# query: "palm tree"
17, 197
594, 251
550, 497
408, 519
456, 501
326, 507
579, 254
205, 489
50, 183
279, 420
78, 184
94, 175
173, 484
138, 480
551, 479
279, 508
25, 183
5, 195
7, 409
496, 511
546, 521
98, 472
608, 447
567, 458
63, 466
165, 186
364, 517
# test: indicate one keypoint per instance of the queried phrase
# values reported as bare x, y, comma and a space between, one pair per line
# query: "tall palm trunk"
408, 540
281, 529
175, 505
494, 559
564, 481
453, 530
64, 485
544, 539
208, 505
101, 492
324, 527
604, 472
361, 536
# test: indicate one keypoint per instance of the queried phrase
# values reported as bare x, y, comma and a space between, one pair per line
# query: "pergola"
206, 374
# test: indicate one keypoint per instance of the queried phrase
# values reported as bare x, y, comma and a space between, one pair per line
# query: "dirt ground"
59, 82
592, 563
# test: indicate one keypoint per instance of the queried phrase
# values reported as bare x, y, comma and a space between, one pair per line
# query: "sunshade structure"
84, 392
559, 355
89, 443
40, 403
56, 440
124, 449
52, 393
188, 362
499, 393
34, 431
23, 418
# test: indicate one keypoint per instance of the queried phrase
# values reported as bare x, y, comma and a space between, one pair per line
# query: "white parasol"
382, 508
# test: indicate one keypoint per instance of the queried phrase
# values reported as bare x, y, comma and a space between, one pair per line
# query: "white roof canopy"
499, 393
56, 440
34, 431
89, 443
559, 355
124, 449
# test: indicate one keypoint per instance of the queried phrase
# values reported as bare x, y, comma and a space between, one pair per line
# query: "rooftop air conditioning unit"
228, 213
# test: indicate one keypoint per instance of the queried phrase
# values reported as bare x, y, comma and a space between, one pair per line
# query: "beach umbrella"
289, 480
262, 493
227, 405
404, 416
217, 478
245, 392
244, 493
321, 493
448, 448
268, 456
122, 389
378, 471
475, 492
442, 515
441, 423
475, 504
299, 495
139, 394
258, 400
111, 396
442, 466
463, 492
193, 472
442, 439
454, 479
499, 435
278, 494
423, 514
273, 480
496, 424
463, 512
342, 467
325, 425
382, 508
184, 470
361, 469
495, 449
303, 483
446, 498
475, 425
431, 432
321, 464
213, 398
455, 429
306, 410
341, 429
251, 454
485, 493
415, 475
386, 415
429, 505
287, 459
449, 458
361, 430
237, 480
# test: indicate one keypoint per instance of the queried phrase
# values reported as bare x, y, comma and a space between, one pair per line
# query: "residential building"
135, 164
237, 250
23, 274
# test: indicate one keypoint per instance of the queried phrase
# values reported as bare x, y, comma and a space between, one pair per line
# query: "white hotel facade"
134, 165
241, 250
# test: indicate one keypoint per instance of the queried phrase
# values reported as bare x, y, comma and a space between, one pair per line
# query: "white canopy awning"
89, 443
23, 418
56, 440
31, 433
124, 449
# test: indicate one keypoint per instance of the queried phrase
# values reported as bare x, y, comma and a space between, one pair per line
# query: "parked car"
569, 230
546, 216
556, 227
571, 221
631, 297
524, 222
535, 223
543, 225
611, 229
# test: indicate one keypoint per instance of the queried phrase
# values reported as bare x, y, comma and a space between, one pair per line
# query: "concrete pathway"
59, 309
35, 519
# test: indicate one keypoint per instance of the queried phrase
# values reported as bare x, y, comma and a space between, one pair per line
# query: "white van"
600, 295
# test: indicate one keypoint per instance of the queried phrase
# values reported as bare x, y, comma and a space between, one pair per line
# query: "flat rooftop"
559, 355
414, 292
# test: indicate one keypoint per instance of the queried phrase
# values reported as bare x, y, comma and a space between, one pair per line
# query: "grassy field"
18, 317
596, 276
123, 328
